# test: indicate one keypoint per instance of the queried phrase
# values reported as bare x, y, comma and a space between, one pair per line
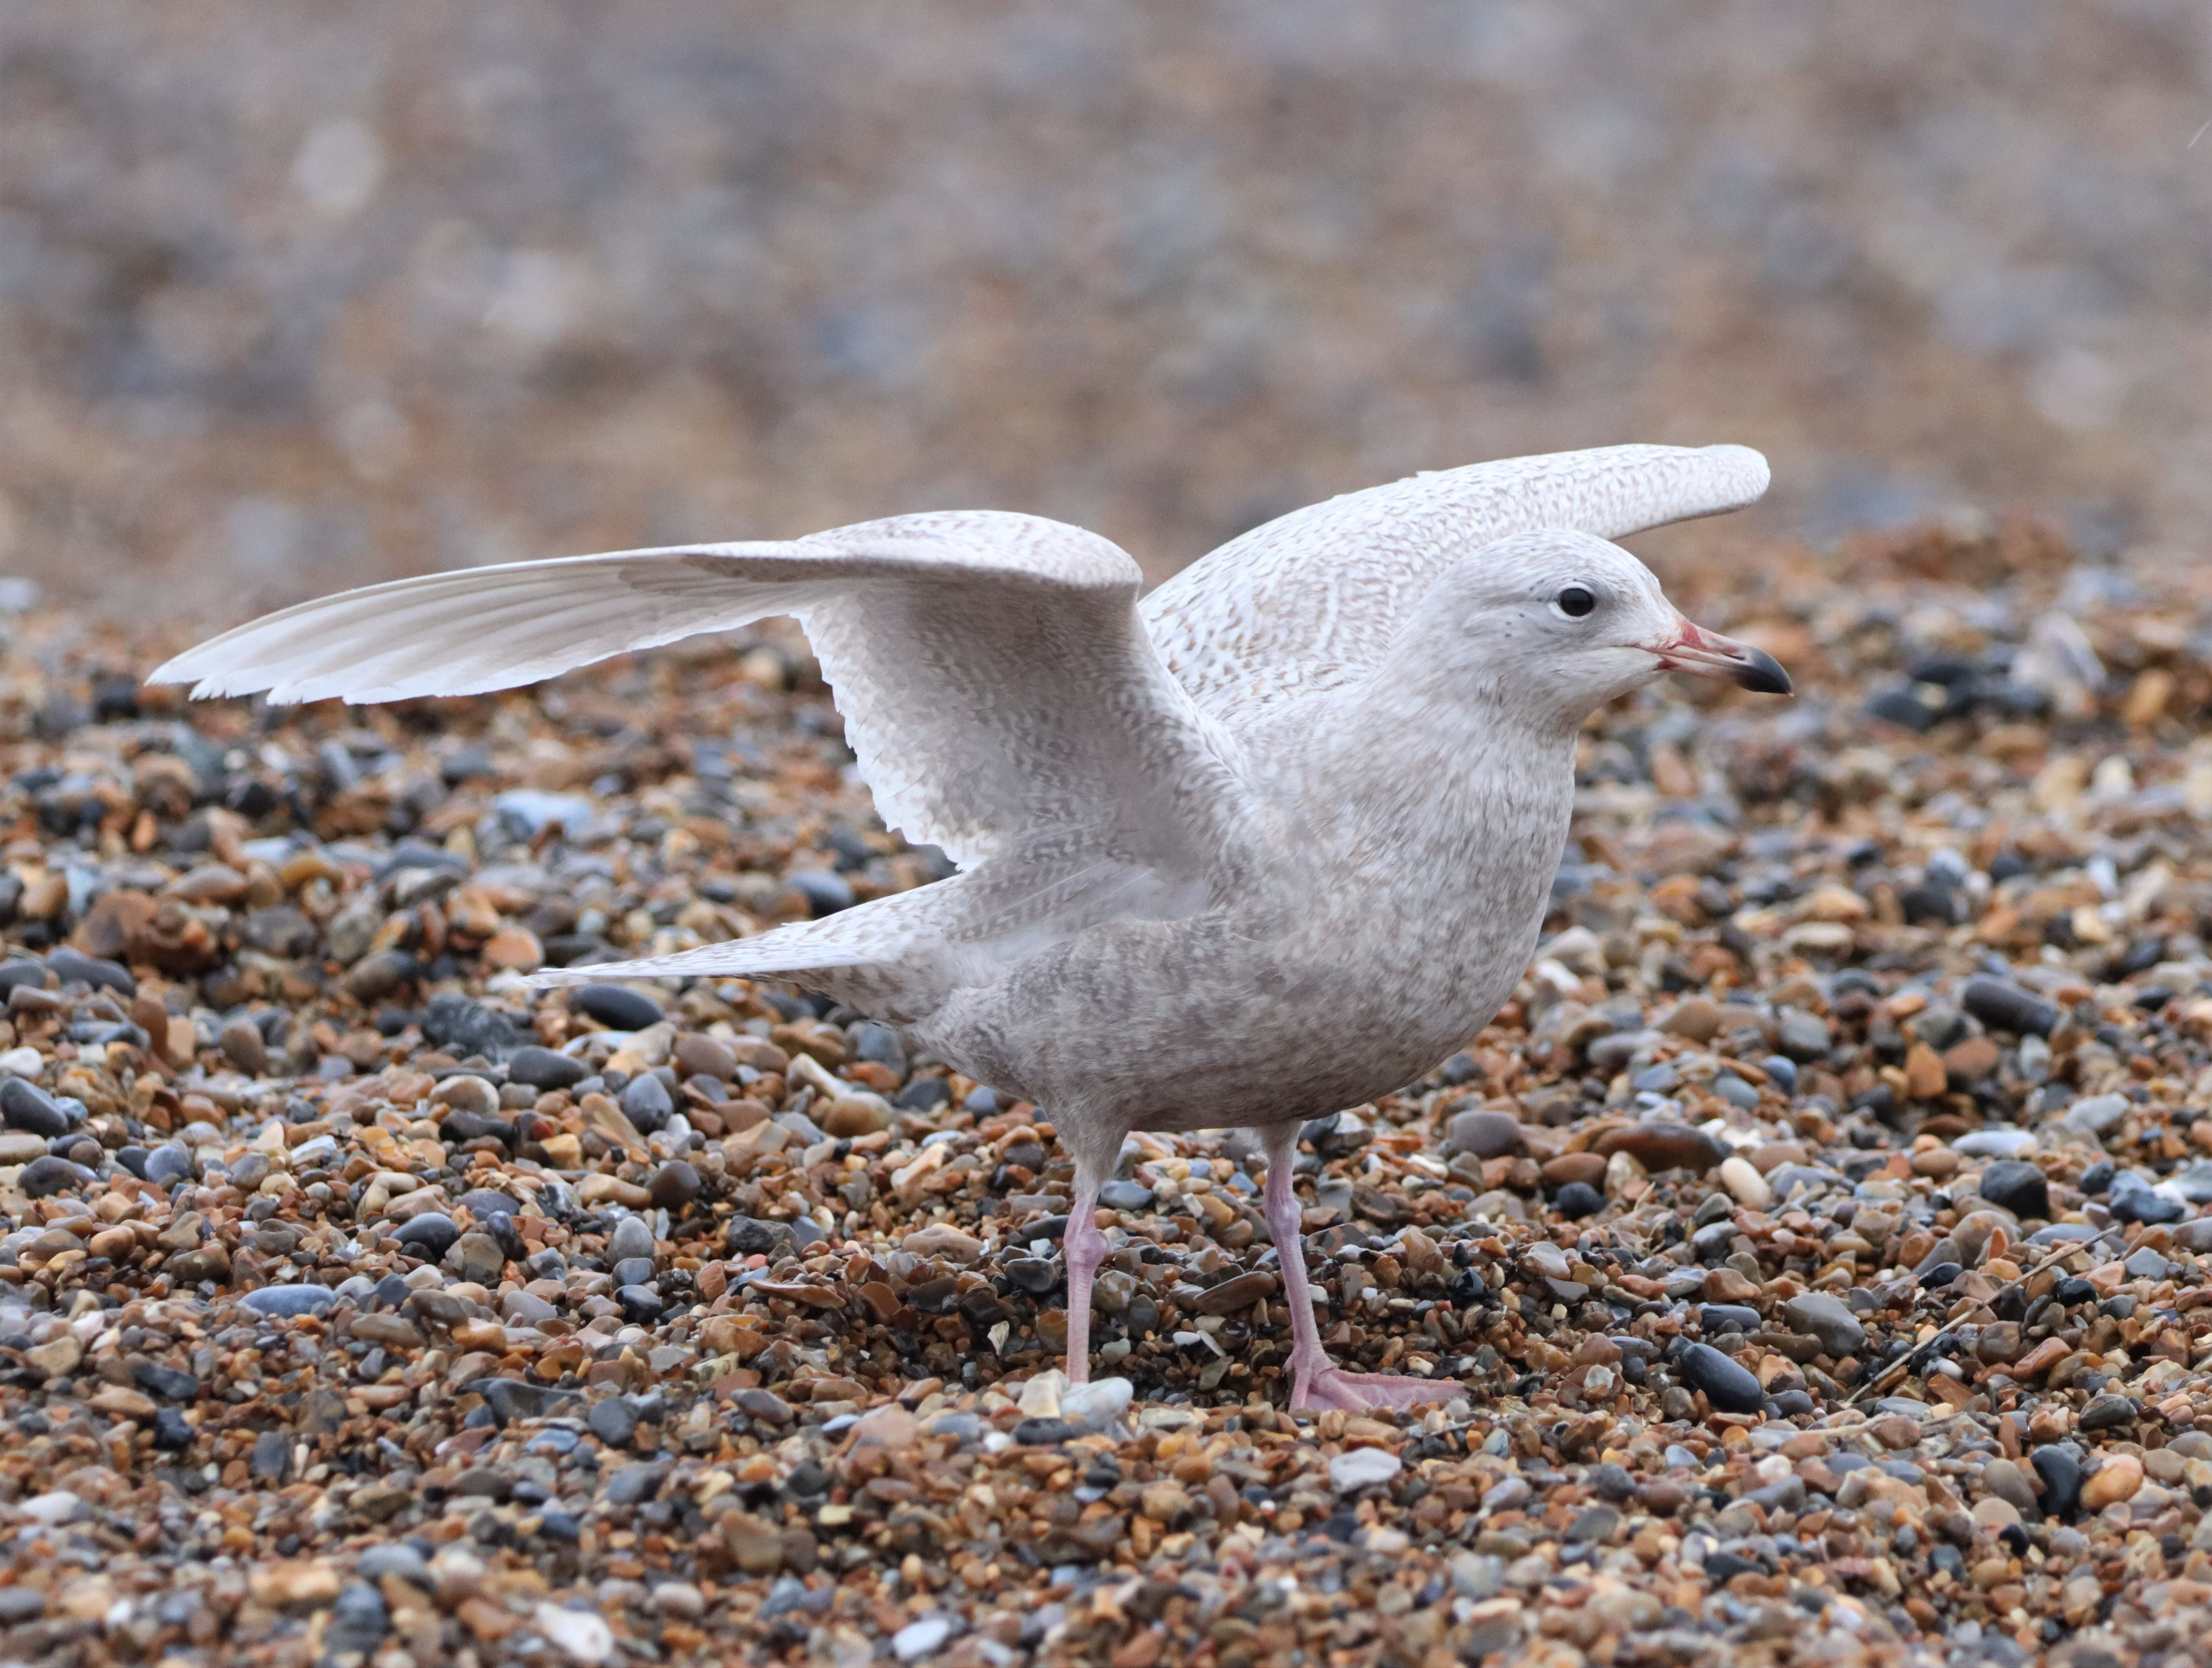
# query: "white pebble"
678, 1599
1362, 1468
1040, 1395
582, 1636
1547, 1259
919, 1639
57, 1508
1749, 1187
1097, 1404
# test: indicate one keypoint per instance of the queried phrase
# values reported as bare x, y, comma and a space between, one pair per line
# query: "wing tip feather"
1746, 471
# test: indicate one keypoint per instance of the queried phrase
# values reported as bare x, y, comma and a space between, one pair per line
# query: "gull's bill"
1690, 648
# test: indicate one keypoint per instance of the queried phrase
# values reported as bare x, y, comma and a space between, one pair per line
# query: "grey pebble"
1729, 1387
1802, 1035
2094, 1114
616, 1007
2018, 1186
477, 1257
542, 1069
647, 1103
613, 1420
28, 1107
429, 1236
289, 1302
394, 1558
1827, 1318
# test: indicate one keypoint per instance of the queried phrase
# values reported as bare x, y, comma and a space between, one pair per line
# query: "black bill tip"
1762, 674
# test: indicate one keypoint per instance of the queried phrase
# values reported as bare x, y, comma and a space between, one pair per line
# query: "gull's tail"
783, 952
888, 954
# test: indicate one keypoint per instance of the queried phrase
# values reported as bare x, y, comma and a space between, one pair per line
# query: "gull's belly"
1225, 1020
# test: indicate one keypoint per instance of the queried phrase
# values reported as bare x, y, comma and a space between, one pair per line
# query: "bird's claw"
1331, 1386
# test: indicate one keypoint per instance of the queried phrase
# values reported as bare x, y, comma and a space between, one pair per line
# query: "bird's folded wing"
996, 684
1311, 600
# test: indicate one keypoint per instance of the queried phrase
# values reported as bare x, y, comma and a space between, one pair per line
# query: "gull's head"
1565, 622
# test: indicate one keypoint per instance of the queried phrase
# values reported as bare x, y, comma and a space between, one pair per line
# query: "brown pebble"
890, 1427
1975, 1230
2000, 1341
940, 1240
150, 1016
1698, 1017
1660, 1147
242, 1045
1574, 1168
851, 1115
825, 1043
755, 1544
1165, 1502
1726, 1285
674, 1185
112, 1242
45, 898
2012, 1484
697, 1056
2119, 1478
1968, 1062
1238, 1292
119, 1403
1487, 1135
516, 948
761, 1056
1771, 1155
467, 1093
1924, 1077
1937, 1163
295, 1584
2041, 1359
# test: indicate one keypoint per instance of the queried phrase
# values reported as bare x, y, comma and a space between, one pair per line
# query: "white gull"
1265, 844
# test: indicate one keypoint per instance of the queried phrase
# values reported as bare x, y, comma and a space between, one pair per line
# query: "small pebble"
674, 1185
542, 1069
429, 1236
1727, 1385
1362, 1467
617, 1007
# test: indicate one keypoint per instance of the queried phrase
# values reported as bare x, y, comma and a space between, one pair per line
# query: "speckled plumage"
1268, 843
1309, 601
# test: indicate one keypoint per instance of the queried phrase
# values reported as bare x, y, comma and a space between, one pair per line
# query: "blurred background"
295, 296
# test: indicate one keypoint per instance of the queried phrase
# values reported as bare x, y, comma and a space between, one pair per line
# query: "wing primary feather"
1028, 701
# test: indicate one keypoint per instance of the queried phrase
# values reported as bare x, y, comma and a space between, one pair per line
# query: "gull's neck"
1408, 768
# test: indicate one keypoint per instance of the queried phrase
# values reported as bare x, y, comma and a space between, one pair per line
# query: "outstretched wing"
996, 686
1311, 600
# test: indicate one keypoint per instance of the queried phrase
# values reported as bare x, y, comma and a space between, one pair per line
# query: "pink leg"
1317, 1381
1084, 1248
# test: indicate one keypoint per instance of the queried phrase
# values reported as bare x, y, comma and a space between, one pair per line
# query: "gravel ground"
1815, 1240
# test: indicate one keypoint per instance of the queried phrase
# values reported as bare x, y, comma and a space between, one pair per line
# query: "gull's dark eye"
1575, 602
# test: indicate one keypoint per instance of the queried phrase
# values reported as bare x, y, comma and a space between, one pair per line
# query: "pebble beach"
1810, 1258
